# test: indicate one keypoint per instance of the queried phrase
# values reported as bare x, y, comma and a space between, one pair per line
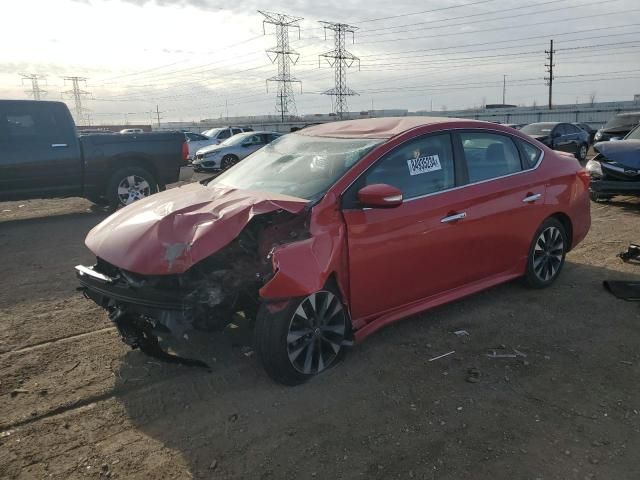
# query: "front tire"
130, 184
228, 161
546, 254
599, 197
303, 339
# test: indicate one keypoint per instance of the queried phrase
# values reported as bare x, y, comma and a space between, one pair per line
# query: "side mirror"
380, 195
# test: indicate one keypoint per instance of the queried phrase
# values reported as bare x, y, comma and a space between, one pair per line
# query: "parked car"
231, 151
615, 170
131, 130
618, 126
560, 136
587, 128
221, 134
328, 234
196, 141
517, 126
42, 156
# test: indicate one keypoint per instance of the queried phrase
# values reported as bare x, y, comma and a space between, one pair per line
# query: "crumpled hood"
170, 231
624, 152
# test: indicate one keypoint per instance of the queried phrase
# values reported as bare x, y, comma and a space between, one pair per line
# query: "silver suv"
220, 134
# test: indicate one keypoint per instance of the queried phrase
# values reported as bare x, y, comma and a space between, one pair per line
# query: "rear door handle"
454, 218
532, 198
59, 145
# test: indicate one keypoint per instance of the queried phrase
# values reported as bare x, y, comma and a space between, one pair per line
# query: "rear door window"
489, 155
419, 167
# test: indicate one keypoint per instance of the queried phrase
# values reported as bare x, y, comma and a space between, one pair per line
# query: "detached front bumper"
104, 290
615, 187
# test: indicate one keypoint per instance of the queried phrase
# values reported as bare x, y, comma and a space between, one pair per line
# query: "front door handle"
454, 217
59, 145
531, 198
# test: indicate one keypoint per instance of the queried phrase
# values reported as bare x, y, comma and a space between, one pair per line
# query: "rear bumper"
615, 187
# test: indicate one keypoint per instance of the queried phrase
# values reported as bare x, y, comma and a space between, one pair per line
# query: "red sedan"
330, 233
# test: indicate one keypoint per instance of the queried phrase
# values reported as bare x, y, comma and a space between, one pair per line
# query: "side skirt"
431, 302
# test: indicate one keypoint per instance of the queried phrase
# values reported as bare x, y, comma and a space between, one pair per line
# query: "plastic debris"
442, 356
461, 333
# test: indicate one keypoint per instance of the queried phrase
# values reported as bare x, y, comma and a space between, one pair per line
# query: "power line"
284, 56
550, 66
425, 11
340, 59
36, 92
77, 93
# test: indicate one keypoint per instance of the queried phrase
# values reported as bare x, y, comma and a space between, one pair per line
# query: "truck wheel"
304, 338
130, 184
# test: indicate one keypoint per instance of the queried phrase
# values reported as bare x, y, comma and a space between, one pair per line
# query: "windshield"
622, 122
296, 165
634, 134
237, 139
538, 128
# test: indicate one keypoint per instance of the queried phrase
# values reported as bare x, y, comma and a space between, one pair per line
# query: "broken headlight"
594, 168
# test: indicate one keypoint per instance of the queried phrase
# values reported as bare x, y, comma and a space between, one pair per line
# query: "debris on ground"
473, 375
631, 255
16, 391
442, 356
624, 290
461, 333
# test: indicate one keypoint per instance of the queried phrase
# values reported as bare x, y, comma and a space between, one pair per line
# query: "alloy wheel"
316, 332
132, 188
548, 253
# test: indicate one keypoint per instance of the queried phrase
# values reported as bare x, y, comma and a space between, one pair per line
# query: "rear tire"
303, 339
546, 254
130, 184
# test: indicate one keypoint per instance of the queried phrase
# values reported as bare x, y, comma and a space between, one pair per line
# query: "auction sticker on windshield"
430, 163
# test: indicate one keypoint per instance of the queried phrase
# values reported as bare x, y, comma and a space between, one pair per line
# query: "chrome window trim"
535, 167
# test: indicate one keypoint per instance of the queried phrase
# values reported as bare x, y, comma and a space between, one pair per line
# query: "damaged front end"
615, 170
211, 294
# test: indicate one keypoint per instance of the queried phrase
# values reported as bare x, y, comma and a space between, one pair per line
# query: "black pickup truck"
42, 156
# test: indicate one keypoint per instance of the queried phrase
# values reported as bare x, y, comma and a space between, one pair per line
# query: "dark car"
43, 156
615, 170
587, 128
328, 234
560, 136
618, 127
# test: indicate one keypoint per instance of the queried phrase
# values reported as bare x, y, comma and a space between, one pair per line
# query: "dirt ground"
75, 402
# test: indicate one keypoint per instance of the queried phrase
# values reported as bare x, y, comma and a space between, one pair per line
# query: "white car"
223, 133
196, 141
132, 130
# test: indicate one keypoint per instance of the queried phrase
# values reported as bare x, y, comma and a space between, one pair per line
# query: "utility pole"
550, 66
36, 92
504, 90
158, 112
284, 56
340, 59
77, 93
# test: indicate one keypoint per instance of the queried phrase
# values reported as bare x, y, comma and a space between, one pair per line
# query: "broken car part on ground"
328, 234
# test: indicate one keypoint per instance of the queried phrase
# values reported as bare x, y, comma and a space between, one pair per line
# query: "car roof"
382, 128
628, 114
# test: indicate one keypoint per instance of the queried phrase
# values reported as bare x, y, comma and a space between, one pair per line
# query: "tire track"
62, 339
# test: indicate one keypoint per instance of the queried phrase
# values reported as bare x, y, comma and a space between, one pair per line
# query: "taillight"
584, 177
185, 152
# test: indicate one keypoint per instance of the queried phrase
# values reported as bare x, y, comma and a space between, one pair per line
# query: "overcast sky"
196, 60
